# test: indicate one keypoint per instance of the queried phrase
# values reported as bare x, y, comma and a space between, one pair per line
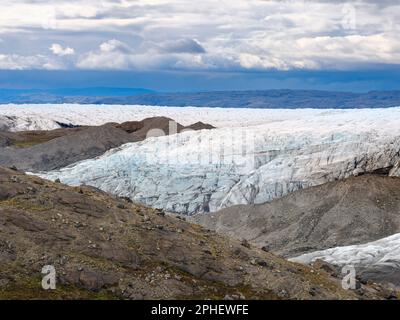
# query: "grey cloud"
376, 2
212, 35
182, 46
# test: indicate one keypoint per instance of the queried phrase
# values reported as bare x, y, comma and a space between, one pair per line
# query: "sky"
182, 45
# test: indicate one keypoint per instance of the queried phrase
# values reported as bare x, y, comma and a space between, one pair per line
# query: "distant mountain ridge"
286, 99
49, 95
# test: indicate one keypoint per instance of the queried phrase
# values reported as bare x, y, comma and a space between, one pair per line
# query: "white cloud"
105, 61
18, 62
115, 45
58, 50
117, 55
111, 55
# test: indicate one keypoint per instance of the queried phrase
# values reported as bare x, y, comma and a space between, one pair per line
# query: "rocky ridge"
48, 150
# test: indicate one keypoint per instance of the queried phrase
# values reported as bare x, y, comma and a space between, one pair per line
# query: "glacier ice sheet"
382, 253
48, 116
207, 170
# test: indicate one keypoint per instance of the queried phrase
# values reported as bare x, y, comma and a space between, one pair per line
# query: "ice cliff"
208, 170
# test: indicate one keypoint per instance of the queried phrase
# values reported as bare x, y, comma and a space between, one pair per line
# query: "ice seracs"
205, 171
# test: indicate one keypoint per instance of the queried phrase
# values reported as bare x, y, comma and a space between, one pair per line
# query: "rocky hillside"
106, 247
47, 150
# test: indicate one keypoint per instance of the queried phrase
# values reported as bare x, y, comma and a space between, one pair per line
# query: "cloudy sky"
248, 43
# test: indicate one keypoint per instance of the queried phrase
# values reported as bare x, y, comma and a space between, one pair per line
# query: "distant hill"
288, 99
62, 94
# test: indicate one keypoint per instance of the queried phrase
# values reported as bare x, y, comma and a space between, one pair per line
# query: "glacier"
51, 116
385, 251
204, 171
375, 261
